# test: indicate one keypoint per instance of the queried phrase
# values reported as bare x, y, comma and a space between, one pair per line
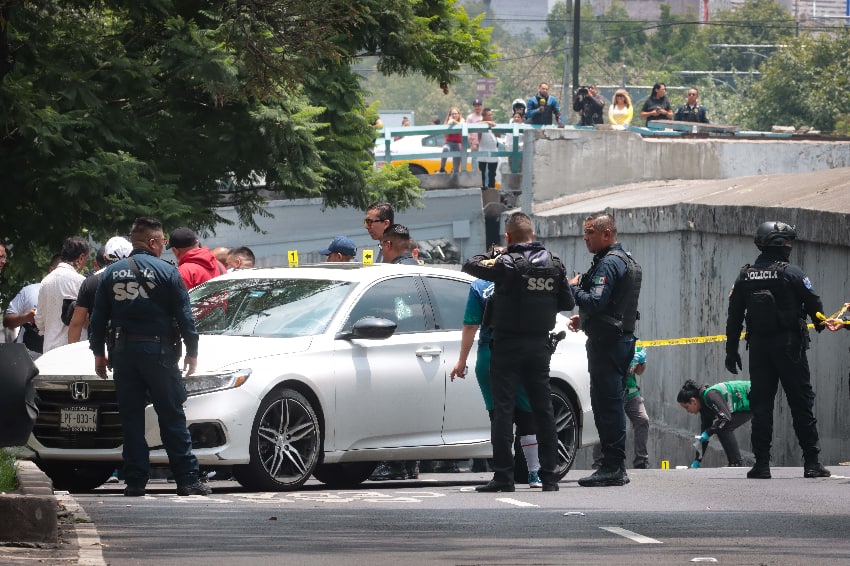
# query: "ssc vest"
530, 304
735, 393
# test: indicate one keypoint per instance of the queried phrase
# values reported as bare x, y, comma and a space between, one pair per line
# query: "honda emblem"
79, 391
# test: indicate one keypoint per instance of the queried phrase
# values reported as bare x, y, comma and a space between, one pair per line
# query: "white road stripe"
516, 502
630, 535
88, 539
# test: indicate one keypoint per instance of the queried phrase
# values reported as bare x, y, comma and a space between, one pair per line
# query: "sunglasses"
369, 221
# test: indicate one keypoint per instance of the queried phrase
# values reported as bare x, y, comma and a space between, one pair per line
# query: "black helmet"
771, 234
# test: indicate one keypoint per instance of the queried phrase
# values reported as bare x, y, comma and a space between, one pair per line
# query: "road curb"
29, 514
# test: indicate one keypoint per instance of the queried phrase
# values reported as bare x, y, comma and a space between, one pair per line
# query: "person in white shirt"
487, 164
61, 284
474, 117
20, 314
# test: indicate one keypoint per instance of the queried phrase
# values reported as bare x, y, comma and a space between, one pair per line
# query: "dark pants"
774, 359
522, 359
728, 440
608, 364
143, 374
488, 174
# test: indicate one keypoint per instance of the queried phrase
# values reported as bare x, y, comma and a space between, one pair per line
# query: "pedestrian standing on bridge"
453, 141
487, 141
774, 297
692, 110
543, 108
722, 408
607, 298
657, 107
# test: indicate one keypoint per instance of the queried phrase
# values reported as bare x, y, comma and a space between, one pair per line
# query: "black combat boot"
760, 471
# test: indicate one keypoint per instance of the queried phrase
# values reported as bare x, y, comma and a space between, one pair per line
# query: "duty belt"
142, 338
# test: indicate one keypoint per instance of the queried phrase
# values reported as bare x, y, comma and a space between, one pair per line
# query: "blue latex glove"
703, 437
695, 464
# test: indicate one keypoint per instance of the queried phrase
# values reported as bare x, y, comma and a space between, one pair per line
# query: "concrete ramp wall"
691, 238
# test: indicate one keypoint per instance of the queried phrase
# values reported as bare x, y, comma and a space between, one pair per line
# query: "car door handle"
428, 352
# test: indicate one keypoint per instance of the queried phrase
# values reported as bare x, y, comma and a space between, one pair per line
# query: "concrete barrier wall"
687, 275
567, 161
305, 225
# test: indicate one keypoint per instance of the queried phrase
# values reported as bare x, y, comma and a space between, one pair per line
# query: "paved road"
662, 517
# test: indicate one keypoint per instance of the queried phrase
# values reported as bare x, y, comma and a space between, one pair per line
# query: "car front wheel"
285, 444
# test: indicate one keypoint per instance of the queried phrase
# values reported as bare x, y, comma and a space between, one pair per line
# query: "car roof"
351, 271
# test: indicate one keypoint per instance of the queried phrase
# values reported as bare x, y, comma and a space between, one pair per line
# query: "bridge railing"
514, 152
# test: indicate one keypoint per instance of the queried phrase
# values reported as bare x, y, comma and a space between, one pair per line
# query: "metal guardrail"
515, 153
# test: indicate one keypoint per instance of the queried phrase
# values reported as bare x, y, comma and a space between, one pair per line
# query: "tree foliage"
803, 84
112, 109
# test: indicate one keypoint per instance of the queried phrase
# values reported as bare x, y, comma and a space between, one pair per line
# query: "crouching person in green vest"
722, 408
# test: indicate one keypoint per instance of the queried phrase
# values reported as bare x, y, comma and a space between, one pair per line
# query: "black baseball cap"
181, 238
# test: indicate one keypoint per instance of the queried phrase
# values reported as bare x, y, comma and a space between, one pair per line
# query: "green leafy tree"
627, 37
755, 22
112, 109
803, 84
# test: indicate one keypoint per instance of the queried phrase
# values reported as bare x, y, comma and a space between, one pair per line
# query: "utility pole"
576, 33
566, 92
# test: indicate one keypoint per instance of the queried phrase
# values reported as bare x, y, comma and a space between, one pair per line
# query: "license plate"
78, 419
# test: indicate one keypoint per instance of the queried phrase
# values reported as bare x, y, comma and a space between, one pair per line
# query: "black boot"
815, 470
605, 477
761, 471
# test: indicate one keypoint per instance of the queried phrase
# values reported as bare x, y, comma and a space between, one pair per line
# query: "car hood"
214, 353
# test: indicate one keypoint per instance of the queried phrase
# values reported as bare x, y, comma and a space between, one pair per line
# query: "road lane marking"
631, 536
88, 539
516, 502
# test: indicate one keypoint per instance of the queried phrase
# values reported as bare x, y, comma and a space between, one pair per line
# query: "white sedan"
323, 370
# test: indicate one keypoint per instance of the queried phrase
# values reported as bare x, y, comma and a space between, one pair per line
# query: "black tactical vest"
530, 304
771, 305
622, 312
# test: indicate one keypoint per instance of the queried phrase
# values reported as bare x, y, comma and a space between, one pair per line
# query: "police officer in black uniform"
774, 297
138, 302
530, 290
607, 298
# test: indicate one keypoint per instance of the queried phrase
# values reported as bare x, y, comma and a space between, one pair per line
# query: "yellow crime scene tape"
722, 337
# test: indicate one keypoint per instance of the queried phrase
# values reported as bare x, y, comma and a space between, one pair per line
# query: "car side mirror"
369, 328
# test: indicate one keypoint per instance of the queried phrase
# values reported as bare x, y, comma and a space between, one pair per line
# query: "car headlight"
208, 382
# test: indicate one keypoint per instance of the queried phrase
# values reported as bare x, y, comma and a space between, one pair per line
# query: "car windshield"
267, 307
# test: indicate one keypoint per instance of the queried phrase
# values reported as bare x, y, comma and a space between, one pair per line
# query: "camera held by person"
589, 103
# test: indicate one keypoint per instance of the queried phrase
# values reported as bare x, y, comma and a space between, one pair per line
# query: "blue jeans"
143, 375
451, 146
608, 364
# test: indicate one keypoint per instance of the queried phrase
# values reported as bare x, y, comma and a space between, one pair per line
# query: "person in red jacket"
196, 264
